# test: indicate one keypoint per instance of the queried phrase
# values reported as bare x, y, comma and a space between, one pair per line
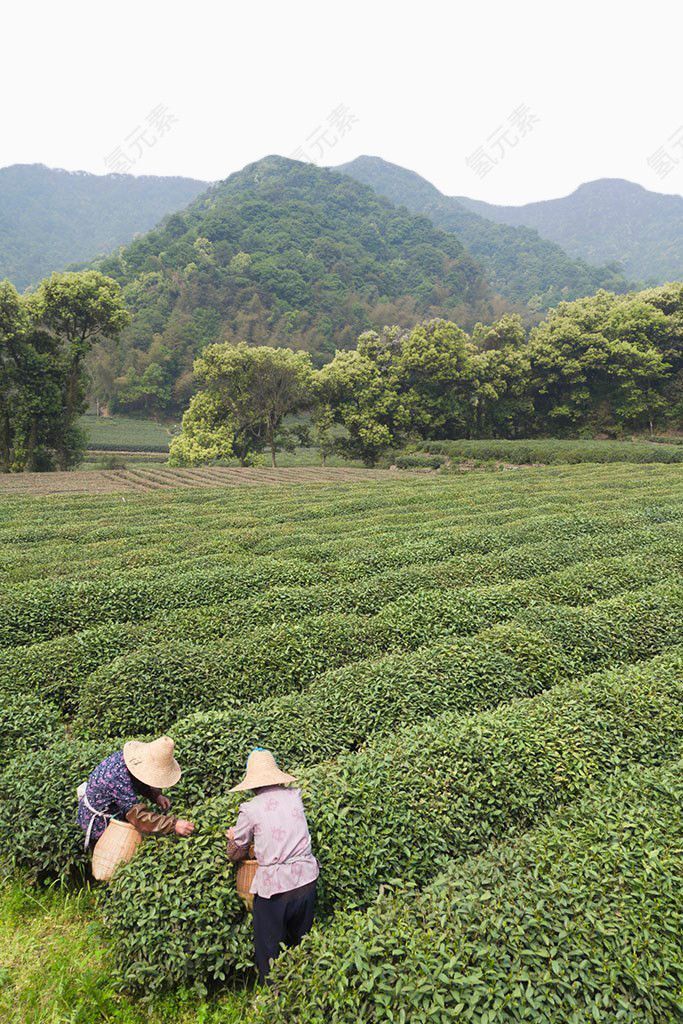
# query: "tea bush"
578, 920
57, 668
47, 608
399, 809
152, 687
26, 723
342, 709
148, 690
38, 829
553, 452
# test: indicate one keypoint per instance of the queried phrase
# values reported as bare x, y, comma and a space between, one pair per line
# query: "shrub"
419, 460
149, 689
398, 809
57, 668
38, 829
342, 709
46, 609
345, 707
580, 919
26, 723
553, 452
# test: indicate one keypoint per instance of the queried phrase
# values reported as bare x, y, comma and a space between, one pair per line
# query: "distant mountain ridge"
521, 266
50, 218
606, 220
279, 253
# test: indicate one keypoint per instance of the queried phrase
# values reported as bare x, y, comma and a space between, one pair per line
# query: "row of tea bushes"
48, 608
38, 833
150, 688
375, 556
343, 709
554, 452
26, 723
111, 549
146, 691
57, 668
398, 809
74, 536
580, 920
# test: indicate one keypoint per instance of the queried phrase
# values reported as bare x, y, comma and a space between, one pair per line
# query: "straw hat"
262, 770
152, 763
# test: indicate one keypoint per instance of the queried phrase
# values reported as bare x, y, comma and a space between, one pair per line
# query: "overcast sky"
507, 102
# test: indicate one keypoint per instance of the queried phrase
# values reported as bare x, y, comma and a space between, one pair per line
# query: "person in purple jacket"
284, 885
115, 786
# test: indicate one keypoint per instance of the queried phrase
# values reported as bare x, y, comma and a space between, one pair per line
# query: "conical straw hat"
262, 770
152, 763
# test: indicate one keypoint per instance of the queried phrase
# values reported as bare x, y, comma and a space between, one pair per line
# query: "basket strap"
94, 813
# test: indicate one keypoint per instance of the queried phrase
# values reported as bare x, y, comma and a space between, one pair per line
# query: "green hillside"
283, 253
603, 221
520, 265
50, 218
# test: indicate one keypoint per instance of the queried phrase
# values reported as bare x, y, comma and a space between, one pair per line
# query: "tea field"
478, 681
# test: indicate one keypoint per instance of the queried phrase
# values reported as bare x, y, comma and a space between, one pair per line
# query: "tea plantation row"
159, 683
436, 660
77, 537
400, 808
579, 920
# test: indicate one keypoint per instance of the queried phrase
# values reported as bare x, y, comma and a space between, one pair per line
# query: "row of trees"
606, 362
44, 338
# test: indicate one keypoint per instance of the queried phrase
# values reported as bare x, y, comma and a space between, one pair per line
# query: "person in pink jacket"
284, 885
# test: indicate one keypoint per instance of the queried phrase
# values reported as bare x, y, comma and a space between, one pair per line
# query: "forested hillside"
520, 265
605, 220
283, 253
51, 218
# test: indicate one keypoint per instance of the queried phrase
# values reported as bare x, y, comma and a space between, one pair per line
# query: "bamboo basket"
116, 845
246, 869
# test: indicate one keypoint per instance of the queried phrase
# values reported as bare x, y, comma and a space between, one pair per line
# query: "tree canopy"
44, 338
246, 393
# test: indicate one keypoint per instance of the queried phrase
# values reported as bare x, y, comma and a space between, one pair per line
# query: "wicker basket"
246, 869
116, 845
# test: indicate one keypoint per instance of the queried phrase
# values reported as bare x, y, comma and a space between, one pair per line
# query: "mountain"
606, 220
51, 218
521, 266
282, 253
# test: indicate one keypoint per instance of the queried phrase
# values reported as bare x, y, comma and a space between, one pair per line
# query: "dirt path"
138, 480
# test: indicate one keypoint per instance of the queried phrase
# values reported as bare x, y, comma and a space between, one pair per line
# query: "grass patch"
121, 432
55, 969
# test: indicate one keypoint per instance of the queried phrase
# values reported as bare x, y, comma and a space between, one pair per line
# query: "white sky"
428, 84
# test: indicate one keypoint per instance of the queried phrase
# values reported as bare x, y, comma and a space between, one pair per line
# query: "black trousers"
284, 918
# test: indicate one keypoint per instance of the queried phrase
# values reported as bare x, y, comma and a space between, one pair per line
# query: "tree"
594, 362
360, 391
247, 392
435, 371
13, 361
71, 312
30, 398
506, 332
503, 404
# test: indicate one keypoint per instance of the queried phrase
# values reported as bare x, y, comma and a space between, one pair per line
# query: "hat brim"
136, 757
271, 777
